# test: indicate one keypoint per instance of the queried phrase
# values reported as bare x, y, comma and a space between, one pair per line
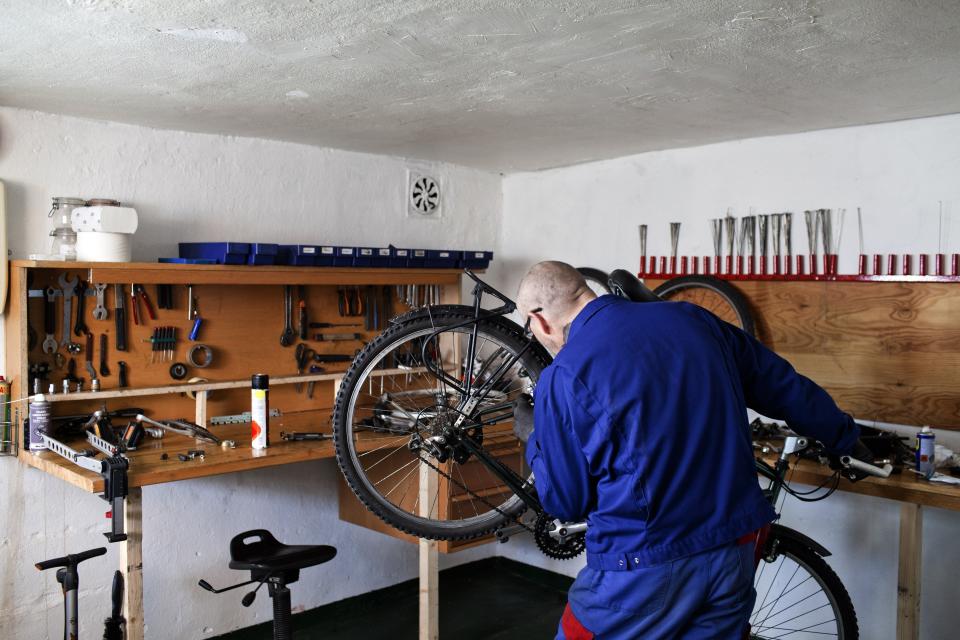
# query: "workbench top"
903, 487
147, 468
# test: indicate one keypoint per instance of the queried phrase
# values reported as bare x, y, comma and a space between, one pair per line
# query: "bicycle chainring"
554, 547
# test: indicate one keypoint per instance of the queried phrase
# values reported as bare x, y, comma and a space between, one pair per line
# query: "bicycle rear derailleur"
559, 540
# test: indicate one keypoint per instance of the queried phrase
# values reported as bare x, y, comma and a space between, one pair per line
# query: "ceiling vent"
423, 196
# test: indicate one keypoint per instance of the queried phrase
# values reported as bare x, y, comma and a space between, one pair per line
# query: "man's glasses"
526, 325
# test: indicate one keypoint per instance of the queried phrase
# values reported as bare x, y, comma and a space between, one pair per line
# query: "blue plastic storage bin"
363, 256
475, 259
263, 253
344, 256
326, 256
417, 257
399, 257
441, 259
298, 255
220, 252
382, 257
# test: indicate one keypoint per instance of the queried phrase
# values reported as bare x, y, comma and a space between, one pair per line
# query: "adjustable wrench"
50, 321
69, 288
80, 328
289, 335
100, 311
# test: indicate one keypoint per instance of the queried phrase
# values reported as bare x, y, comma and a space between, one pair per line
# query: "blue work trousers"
708, 595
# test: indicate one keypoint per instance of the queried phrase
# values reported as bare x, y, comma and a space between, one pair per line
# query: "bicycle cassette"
552, 540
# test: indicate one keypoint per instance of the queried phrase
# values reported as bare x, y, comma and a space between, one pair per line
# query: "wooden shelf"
200, 274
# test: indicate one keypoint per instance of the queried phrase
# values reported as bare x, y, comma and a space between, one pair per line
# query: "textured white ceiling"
486, 83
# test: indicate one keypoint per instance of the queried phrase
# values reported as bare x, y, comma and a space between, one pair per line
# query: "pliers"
137, 290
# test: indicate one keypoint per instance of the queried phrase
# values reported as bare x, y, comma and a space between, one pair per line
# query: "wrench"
288, 335
89, 358
80, 328
100, 311
50, 321
104, 369
69, 288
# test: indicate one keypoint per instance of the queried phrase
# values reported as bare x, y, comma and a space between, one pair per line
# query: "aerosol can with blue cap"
925, 451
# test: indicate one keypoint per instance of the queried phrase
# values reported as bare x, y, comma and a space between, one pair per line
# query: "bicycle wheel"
596, 279
714, 295
405, 409
800, 597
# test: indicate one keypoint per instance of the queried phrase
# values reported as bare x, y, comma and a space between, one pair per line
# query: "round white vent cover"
424, 196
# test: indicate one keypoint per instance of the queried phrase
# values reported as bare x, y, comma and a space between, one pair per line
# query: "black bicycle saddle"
258, 550
626, 285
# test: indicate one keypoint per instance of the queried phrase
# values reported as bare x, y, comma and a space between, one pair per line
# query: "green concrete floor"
492, 599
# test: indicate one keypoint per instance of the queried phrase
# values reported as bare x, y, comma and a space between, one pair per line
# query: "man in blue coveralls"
641, 429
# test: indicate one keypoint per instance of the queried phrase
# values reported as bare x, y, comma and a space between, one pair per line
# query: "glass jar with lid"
64, 243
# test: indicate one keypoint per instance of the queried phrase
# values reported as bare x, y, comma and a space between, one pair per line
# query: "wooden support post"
908, 580
201, 411
429, 560
131, 564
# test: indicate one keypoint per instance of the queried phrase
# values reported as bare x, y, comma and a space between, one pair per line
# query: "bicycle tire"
597, 277
737, 308
825, 576
509, 334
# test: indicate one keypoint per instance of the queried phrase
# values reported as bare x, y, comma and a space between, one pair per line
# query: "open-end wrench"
89, 358
100, 311
104, 369
288, 336
69, 288
80, 328
50, 321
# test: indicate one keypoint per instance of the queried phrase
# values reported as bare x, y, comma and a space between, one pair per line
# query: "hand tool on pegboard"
288, 335
304, 355
138, 293
120, 318
337, 337
164, 296
104, 369
68, 289
80, 326
50, 343
302, 312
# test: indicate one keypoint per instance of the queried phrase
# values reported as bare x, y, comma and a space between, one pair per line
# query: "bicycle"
432, 398
69, 578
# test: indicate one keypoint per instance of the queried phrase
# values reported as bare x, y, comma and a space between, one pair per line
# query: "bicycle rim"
799, 597
387, 420
716, 296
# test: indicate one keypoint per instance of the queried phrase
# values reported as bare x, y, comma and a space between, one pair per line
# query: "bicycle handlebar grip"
852, 463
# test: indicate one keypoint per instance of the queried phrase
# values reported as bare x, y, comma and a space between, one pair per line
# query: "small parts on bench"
305, 435
191, 455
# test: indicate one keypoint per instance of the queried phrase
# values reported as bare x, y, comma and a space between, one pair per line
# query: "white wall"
897, 173
191, 187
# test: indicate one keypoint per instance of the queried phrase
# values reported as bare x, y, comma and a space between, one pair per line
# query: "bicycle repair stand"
113, 470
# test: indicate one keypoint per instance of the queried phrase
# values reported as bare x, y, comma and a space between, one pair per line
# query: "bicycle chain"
480, 498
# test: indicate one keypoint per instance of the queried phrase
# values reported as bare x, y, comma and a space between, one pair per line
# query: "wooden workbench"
243, 317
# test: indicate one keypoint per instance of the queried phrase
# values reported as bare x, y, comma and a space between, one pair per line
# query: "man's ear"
542, 323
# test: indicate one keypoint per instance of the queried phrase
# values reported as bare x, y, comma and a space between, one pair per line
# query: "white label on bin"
384, 252
402, 253
366, 252
326, 250
419, 254
444, 254
346, 251
309, 250
478, 254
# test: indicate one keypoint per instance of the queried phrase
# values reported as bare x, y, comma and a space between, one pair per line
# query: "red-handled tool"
142, 293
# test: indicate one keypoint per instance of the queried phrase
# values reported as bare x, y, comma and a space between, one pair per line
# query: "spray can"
260, 410
5, 443
925, 451
40, 412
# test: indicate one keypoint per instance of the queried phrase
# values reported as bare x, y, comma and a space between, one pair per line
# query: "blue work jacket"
641, 428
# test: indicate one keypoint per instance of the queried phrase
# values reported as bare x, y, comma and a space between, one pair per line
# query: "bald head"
555, 287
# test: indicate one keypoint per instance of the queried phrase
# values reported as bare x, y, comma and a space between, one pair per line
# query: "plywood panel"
887, 351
